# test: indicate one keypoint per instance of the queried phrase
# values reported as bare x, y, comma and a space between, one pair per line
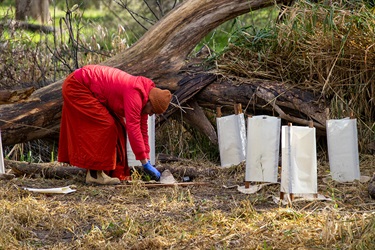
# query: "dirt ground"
211, 216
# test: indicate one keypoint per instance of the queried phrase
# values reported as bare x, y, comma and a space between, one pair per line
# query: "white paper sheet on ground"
167, 177
301, 197
262, 154
2, 166
253, 188
299, 160
59, 190
343, 149
132, 162
362, 179
231, 132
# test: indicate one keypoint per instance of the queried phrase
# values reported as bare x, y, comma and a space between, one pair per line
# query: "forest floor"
211, 216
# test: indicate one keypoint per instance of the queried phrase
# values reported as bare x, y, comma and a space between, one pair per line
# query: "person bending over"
102, 105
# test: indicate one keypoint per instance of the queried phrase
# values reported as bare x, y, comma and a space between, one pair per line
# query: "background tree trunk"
36, 9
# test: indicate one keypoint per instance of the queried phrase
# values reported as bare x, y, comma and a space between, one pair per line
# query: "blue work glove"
150, 170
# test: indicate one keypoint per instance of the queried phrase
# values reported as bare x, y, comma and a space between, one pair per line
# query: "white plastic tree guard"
2, 166
132, 162
299, 161
262, 154
231, 132
343, 149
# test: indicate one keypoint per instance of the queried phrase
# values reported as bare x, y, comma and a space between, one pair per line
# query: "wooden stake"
291, 195
351, 115
218, 112
281, 195
238, 108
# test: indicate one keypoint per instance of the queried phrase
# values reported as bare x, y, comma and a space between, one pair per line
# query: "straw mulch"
201, 217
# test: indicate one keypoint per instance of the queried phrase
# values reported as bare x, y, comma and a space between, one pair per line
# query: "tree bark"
36, 9
195, 116
160, 55
17, 95
45, 170
55, 170
259, 96
256, 96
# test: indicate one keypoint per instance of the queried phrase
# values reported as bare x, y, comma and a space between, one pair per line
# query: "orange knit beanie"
159, 99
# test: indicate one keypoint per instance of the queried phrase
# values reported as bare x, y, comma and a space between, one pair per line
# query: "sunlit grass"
222, 36
89, 23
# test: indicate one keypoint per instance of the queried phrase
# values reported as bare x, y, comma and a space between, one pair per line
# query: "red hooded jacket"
124, 95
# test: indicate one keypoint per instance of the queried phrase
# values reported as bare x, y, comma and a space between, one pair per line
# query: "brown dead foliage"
196, 217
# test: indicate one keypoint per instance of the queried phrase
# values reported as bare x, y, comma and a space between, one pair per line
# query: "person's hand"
152, 171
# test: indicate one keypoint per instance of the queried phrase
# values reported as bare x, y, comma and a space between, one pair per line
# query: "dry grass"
201, 217
325, 49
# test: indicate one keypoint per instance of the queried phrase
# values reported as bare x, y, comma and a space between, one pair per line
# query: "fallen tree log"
15, 95
259, 96
256, 96
45, 170
160, 55
56, 170
195, 116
